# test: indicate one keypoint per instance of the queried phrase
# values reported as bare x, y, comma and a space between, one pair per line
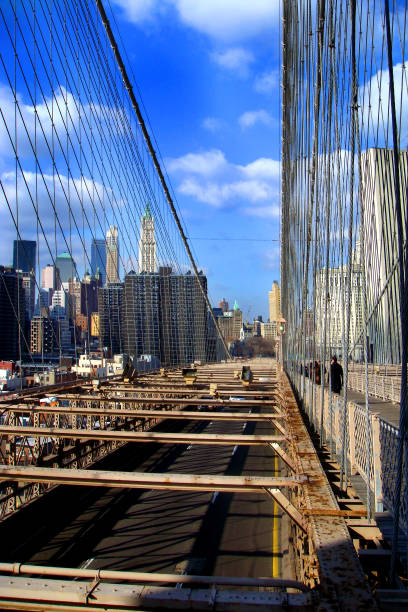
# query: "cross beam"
140, 480
139, 436
160, 401
238, 391
148, 414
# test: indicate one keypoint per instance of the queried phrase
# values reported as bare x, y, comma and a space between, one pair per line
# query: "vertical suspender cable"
403, 274
346, 335
328, 215
156, 163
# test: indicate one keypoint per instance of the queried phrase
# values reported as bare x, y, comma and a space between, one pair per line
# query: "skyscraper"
49, 277
141, 312
112, 255
165, 315
98, 258
24, 255
223, 305
66, 268
110, 300
147, 243
274, 302
13, 340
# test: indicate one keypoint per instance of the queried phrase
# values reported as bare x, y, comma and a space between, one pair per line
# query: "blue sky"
208, 75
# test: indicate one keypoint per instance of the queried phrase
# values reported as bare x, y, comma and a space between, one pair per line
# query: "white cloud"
209, 178
263, 167
212, 124
48, 192
235, 59
250, 118
267, 82
263, 211
229, 20
58, 112
207, 163
218, 194
374, 100
137, 11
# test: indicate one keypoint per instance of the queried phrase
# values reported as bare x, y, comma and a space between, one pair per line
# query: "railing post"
352, 436
377, 484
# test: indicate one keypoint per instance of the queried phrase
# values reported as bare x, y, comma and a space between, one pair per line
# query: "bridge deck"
205, 528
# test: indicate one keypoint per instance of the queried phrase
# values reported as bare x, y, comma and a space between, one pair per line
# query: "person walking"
336, 375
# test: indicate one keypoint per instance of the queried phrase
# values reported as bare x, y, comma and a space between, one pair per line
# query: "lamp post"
281, 331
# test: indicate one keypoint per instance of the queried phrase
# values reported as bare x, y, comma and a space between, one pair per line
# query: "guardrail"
371, 444
383, 386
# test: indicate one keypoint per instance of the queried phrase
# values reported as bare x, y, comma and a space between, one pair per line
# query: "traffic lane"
158, 532
194, 532
165, 531
51, 529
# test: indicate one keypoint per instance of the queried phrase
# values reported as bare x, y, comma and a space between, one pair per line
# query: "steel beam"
138, 436
238, 391
283, 455
288, 507
129, 576
35, 594
160, 401
147, 414
138, 480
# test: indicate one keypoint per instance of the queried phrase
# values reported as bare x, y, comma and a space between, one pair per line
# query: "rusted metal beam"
138, 436
181, 482
145, 414
288, 507
238, 391
45, 595
69, 572
342, 581
160, 401
283, 455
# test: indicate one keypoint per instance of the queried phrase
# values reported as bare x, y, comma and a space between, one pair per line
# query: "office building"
269, 331
147, 243
331, 308
13, 338
165, 315
141, 314
110, 299
98, 258
43, 339
24, 255
274, 302
183, 317
224, 305
112, 255
95, 325
66, 268
85, 296
49, 277
230, 324
381, 250
28, 284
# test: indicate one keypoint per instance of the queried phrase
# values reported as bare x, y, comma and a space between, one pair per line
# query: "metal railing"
381, 445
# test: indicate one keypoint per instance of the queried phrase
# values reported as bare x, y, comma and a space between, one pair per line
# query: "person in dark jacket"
336, 375
317, 372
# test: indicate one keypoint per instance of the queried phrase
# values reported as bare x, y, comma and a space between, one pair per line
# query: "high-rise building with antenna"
112, 255
147, 243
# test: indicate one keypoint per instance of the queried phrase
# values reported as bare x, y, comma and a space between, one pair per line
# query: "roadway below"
161, 531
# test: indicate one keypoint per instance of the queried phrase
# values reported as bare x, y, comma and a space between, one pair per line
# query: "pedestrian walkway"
385, 409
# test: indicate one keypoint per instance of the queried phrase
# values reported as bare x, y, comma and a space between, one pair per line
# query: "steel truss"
320, 533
